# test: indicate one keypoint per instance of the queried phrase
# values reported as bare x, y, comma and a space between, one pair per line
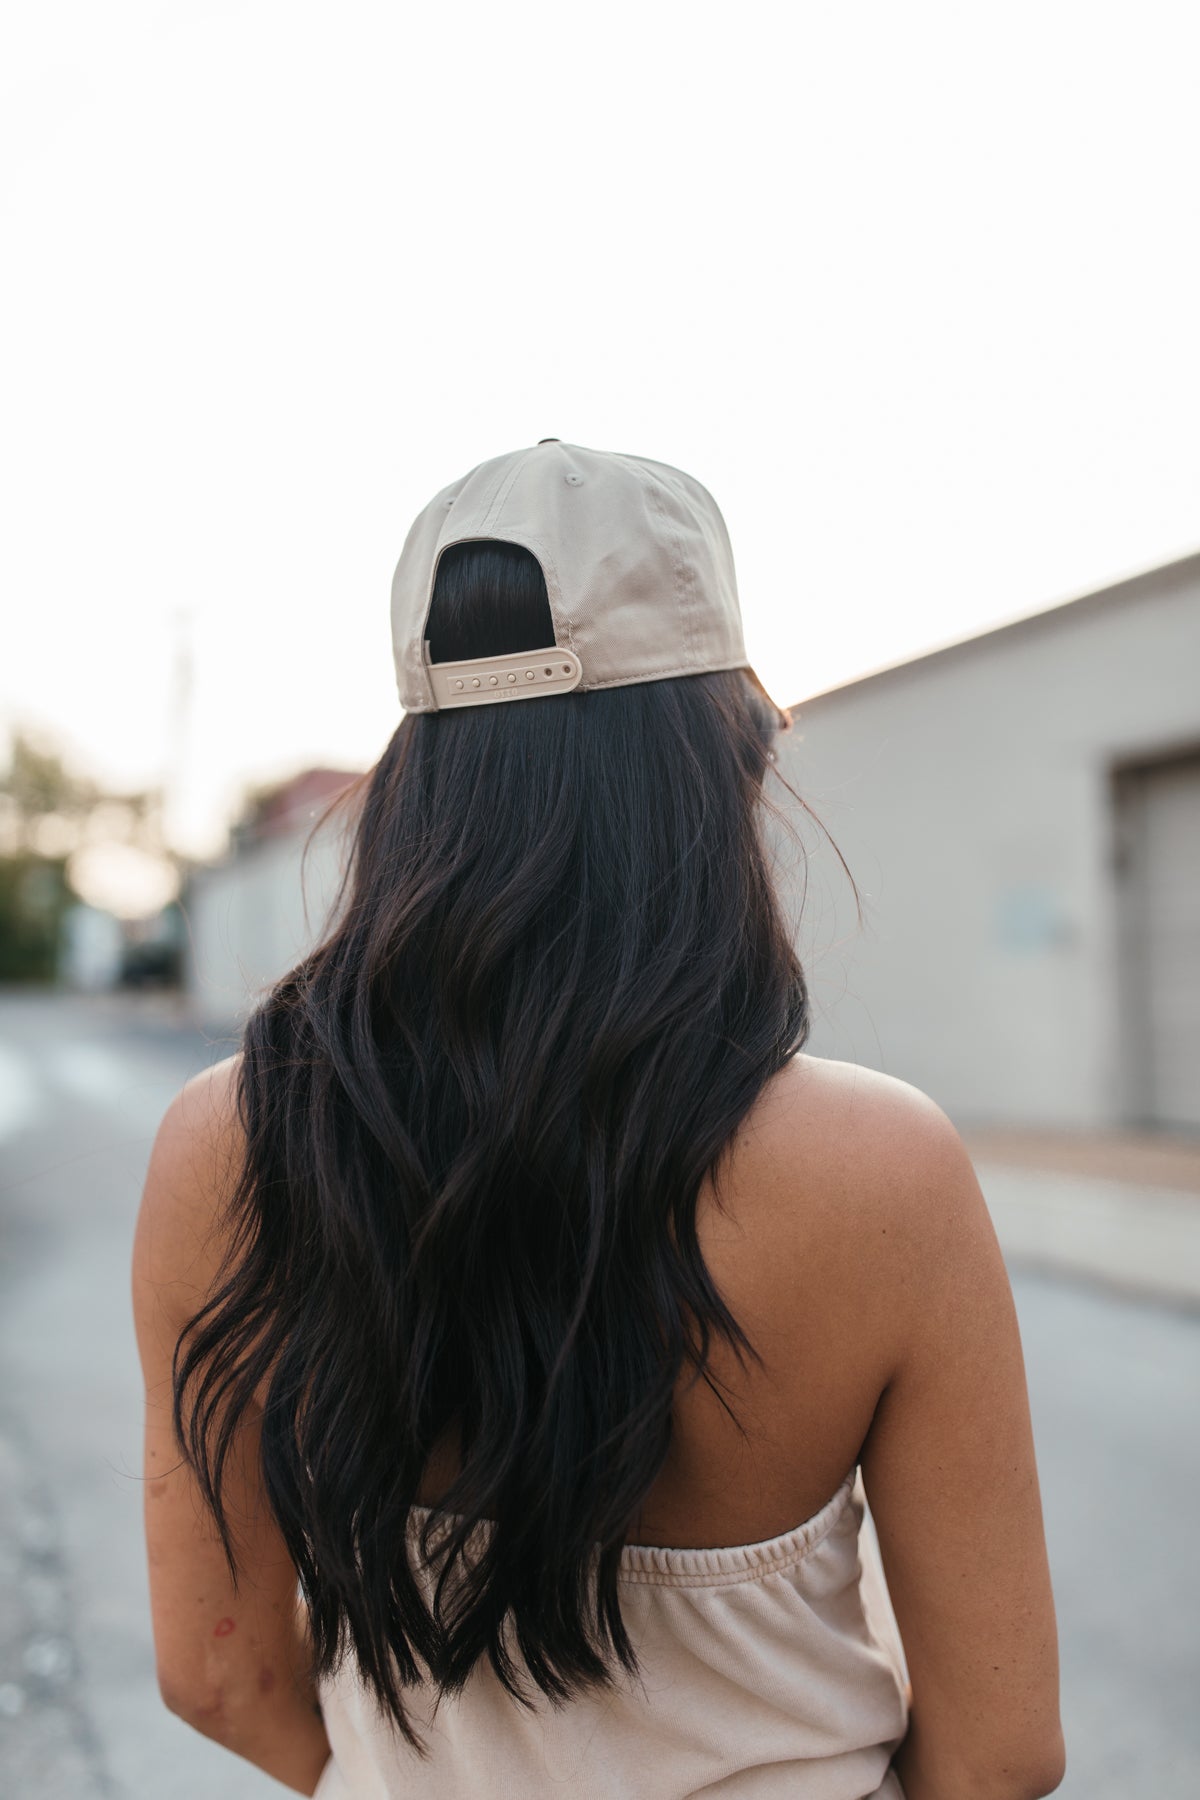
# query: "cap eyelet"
574, 479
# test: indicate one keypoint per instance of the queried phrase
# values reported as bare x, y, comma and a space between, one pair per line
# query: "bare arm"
232, 1665
952, 1482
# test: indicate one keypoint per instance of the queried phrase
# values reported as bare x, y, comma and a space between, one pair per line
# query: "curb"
1139, 1241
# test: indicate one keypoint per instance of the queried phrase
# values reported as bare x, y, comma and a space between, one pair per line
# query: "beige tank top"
769, 1671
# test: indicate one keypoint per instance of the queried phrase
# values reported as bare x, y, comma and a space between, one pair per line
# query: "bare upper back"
798, 1252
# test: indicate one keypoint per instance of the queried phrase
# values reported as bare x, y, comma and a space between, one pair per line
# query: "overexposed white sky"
913, 290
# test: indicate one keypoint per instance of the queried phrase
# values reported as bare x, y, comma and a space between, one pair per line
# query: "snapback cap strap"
518, 675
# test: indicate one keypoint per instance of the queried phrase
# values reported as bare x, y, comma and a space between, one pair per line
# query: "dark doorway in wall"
1157, 860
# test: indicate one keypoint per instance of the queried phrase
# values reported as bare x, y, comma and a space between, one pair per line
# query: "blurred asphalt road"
1114, 1378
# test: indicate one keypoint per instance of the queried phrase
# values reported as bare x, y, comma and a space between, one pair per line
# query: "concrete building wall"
971, 792
251, 918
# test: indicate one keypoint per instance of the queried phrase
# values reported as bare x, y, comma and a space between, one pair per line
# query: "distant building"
91, 948
250, 917
1021, 813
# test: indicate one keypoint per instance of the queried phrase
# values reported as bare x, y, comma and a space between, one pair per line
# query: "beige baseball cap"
638, 567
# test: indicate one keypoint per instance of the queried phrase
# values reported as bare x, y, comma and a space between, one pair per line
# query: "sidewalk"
1118, 1208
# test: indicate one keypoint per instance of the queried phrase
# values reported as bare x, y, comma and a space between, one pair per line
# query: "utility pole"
179, 732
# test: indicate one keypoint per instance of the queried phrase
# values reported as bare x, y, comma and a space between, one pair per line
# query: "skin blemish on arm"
223, 1627
210, 1710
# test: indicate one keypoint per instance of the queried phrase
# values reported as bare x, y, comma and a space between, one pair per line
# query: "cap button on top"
549, 440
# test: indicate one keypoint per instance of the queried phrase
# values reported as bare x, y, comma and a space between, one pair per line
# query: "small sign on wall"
1030, 918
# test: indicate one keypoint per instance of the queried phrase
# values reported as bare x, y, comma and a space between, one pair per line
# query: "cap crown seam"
497, 506
656, 494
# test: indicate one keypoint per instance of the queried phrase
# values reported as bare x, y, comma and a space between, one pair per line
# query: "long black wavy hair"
476, 1120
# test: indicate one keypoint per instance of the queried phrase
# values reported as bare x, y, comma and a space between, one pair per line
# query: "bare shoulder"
861, 1227
193, 1163
874, 1157
199, 1138
910, 1178
870, 1114
206, 1105
949, 1460
840, 1190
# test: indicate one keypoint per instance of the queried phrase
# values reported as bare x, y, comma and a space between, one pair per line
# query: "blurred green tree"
33, 897
39, 786
46, 812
